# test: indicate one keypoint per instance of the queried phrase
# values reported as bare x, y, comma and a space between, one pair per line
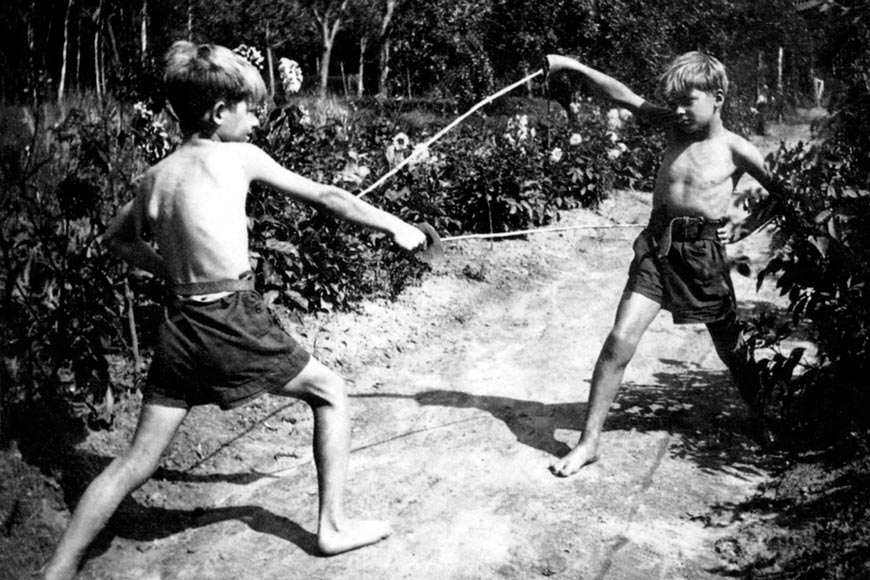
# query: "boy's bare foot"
352, 534
583, 454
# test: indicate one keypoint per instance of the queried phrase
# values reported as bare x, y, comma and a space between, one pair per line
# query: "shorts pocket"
706, 265
250, 315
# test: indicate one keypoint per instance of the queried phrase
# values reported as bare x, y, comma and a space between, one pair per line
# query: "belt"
687, 229
244, 282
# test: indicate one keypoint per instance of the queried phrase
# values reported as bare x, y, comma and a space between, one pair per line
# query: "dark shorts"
692, 280
227, 352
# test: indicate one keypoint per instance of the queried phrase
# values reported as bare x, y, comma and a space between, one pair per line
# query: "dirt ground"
463, 392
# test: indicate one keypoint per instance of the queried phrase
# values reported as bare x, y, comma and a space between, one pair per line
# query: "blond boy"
680, 262
218, 343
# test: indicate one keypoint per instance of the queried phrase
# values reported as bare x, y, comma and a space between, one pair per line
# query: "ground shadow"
137, 522
74, 469
532, 422
699, 406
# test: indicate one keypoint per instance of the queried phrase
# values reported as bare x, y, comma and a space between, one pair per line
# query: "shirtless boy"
217, 342
680, 262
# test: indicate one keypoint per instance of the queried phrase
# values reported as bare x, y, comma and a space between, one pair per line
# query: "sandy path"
463, 393
453, 436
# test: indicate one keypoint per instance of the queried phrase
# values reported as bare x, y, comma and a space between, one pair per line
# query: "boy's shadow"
700, 407
531, 422
74, 470
138, 522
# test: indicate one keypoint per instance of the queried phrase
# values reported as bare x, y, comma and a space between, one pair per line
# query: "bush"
61, 294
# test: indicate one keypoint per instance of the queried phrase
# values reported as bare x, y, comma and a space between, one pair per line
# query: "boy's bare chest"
697, 167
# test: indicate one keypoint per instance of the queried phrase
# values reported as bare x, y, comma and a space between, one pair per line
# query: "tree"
329, 15
384, 39
62, 82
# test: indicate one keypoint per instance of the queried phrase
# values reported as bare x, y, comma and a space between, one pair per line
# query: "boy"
680, 263
217, 342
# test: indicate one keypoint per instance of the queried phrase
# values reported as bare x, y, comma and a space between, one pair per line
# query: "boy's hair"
693, 70
197, 77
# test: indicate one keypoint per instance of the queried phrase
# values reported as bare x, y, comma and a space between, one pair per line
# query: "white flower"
575, 139
305, 119
614, 153
556, 155
250, 54
518, 130
401, 142
616, 118
291, 75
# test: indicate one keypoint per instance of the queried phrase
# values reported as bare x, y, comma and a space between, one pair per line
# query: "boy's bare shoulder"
742, 149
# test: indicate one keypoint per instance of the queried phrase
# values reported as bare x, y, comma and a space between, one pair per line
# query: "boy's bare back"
194, 202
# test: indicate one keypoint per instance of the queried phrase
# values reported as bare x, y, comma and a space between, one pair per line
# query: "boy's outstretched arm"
342, 204
123, 237
606, 85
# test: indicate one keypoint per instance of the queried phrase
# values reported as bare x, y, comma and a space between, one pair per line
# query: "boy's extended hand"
409, 238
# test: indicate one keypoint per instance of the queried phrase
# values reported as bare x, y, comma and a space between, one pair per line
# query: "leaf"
821, 244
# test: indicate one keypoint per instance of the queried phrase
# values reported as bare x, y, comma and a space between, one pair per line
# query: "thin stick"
420, 148
538, 231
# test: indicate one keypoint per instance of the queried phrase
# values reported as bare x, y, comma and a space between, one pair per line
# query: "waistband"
682, 229
245, 281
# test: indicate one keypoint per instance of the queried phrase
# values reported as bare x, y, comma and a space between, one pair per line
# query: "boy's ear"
216, 114
719, 96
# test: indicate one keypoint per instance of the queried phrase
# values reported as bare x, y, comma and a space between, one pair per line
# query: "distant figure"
680, 263
218, 343
818, 90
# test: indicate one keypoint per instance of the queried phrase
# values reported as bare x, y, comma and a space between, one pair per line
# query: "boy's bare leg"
730, 344
326, 393
154, 433
633, 316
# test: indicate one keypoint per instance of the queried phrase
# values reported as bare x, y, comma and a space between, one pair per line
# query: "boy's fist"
554, 63
409, 238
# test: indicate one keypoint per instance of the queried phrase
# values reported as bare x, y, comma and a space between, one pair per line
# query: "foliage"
305, 259
61, 300
822, 264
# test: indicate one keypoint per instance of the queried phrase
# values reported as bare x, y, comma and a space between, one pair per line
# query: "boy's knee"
133, 470
325, 387
618, 348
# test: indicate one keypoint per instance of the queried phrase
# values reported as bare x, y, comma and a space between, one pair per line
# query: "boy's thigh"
156, 428
634, 314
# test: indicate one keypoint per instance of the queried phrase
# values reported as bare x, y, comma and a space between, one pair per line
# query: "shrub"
61, 298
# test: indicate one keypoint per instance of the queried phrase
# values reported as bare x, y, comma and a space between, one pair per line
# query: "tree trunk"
360, 77
383, 89
270, 63
325, 55
62, 83
330, 24
143, 33
779, 97
97, 64
190, 20
384, 40
79, 52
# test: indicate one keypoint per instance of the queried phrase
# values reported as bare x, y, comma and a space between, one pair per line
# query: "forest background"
82, 116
